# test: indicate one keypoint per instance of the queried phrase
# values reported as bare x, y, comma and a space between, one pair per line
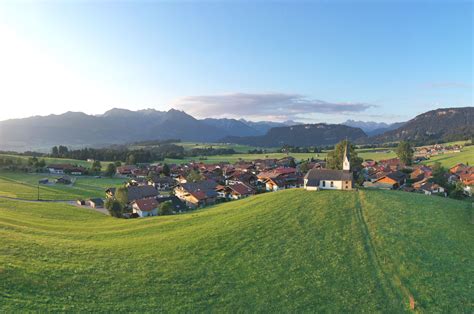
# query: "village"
153, 189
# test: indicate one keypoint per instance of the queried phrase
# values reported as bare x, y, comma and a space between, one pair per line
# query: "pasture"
25, 186
288, 251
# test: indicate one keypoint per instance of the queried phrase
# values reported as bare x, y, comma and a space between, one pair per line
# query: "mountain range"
119, 126
372, 128
445, 124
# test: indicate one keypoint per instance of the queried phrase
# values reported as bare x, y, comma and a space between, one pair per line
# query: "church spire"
346, 165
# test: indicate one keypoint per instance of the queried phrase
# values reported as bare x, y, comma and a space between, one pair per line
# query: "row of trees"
134, 156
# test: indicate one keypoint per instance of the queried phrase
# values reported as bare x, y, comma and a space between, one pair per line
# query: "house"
178, 205
64, 180
283, 182
135, 192
96, 203
141, 192
126, 170
329, 179
162, 183
394, 179
65, 168
431, 188
235, 191
43, 181
145, 207
197, 194
421, 172
393, 164
81, 202
57, 168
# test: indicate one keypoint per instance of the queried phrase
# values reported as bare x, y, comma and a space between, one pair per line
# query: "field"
288, 251
25, 186
51, 160
449, 160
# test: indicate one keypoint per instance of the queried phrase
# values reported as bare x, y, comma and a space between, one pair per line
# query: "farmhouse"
197, 194
145, 207
65, 168
393, 179
329, 179
135, 192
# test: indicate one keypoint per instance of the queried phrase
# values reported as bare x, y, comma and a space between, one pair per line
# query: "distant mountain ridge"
372, 128
118, 126
445, 124
302, 135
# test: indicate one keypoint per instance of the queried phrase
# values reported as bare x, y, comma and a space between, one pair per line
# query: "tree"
130, 159
194, 176
41, 163
405, 152
304, 167
55, 151
335, 157
114, 207
166, 170
166, 208
439, 174
62, 151
118, 163
121, 195
292, 163
33, 161
457, 191
96, 166
111, 169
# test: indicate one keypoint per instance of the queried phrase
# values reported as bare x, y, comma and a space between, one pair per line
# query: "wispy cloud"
271, 106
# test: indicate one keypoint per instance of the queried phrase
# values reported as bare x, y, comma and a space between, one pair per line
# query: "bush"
114, 207
166, 208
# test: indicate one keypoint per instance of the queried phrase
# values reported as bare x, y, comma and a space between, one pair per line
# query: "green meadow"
466, 156
25, 186
288, 251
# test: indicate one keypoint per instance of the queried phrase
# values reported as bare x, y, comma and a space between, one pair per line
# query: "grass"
466, 156
447, 160
25, 186
288, 251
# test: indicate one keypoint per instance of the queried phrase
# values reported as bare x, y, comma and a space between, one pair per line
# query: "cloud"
271, 106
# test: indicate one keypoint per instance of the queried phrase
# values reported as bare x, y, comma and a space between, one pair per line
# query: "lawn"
288, 251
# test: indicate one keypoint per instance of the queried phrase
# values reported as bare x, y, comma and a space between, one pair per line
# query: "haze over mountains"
372, 128
119, 126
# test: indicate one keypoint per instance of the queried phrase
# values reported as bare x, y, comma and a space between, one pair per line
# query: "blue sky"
315, 61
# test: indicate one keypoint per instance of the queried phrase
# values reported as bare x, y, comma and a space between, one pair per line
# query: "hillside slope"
301, 135
287, 251
448, 124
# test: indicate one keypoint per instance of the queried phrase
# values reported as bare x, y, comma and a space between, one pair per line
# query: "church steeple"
346, 165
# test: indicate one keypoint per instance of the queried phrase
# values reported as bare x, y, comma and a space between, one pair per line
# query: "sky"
316, 61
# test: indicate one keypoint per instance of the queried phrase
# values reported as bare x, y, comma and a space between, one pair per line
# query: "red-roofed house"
145, 207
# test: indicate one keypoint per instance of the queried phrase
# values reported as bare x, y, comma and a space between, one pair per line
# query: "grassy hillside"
286, 251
